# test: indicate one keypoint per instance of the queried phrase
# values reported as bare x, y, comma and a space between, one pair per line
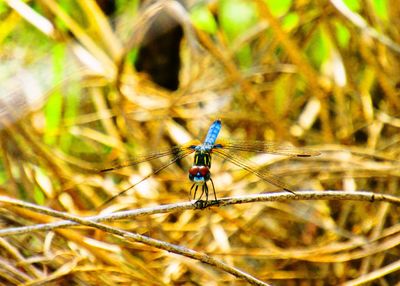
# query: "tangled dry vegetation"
312, 73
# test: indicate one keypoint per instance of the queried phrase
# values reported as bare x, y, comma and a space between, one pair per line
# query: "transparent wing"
177, 152
265, 147
182, 153
250, 167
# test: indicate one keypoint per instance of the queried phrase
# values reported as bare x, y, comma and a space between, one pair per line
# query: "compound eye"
204, 171
193, 171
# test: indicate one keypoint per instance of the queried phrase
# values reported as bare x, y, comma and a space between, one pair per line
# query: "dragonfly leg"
199, 203
202, 192
215, 201
205, 190
195, 192
212, 184
191, 189
202, 204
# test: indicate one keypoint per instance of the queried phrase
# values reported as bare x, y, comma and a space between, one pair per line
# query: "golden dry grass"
316, 74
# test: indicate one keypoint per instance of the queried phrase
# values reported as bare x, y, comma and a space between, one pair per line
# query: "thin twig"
135, 237
70, 220
266, 197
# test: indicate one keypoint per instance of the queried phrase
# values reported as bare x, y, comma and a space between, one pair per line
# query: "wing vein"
150, 156
266, 147
182, 155
247, 165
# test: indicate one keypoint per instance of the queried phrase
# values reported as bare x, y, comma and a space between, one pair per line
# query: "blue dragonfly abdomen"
212, 134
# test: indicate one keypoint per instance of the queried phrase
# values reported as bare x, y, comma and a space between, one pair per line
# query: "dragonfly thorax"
202, 158
204, 148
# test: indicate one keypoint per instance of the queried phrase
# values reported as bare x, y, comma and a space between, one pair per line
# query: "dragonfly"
199, 172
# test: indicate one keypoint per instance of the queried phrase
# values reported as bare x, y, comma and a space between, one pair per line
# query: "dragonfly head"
199, 174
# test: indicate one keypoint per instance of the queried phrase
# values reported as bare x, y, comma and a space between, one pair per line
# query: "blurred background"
88, 84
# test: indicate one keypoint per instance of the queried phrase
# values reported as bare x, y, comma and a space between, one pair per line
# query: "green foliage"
381, 8
38, 196
279, 8
53, 109
342, 35
3, 8
353, 5
318, 49
236, 17
203, 19
290, 21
